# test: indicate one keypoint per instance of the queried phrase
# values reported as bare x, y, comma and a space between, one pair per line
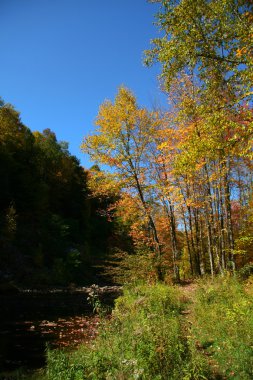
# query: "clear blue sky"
60, 59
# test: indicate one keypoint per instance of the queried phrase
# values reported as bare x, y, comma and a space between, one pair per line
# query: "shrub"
245, 272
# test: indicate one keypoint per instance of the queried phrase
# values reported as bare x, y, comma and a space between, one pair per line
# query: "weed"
143, 340
95, 301
223, 327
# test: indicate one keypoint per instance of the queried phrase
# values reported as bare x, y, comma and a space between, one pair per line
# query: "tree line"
185, 172
53, 231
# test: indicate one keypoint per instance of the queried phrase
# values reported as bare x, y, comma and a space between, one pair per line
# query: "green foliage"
223, 326
148, 338
127, 268
213, 38
246, 271
94, 299
60, 367
143, 340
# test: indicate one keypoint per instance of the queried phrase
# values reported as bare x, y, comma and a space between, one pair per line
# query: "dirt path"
188, 292
187, 298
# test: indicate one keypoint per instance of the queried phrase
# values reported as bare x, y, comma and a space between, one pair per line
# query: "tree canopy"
53, 231
189, 167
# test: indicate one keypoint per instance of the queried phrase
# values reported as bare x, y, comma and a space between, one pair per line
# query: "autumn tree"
120, 141
211, 38
208, 76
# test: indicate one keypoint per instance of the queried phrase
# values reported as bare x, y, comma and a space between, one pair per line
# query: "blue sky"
60, 59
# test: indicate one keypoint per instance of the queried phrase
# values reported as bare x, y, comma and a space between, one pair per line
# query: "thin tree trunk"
197, 238
202, 256
174, 242
152, 226
188, 242
229, 225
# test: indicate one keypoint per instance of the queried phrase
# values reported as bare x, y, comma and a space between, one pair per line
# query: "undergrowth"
143, 340
222, 326
149, 337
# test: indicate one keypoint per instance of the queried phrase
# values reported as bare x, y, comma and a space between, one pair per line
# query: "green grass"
149, 338
143, 340
223, 327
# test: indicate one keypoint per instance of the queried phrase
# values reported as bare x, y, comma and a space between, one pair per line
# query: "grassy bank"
160, 332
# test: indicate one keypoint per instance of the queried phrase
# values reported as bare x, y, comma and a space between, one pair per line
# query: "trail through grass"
158, 332
221, 321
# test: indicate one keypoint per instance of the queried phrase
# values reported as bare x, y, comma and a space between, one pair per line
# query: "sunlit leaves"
212, 38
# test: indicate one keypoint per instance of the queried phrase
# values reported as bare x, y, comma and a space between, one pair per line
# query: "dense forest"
53, 230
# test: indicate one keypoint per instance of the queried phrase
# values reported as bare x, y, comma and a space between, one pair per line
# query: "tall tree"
210, 41
212, 38
120, 141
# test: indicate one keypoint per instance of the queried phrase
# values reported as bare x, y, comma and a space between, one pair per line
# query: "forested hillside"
53, 232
